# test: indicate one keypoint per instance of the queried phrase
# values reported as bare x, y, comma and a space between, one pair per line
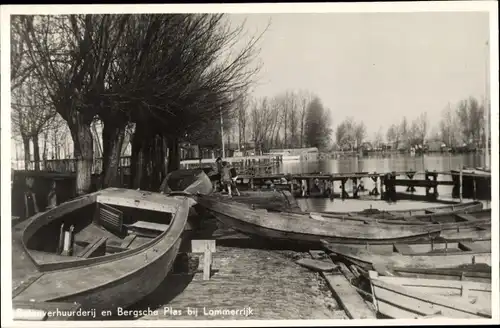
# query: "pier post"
410, 176
460, 184
474, 187
374, 191
355, 188
344, 192
382, 181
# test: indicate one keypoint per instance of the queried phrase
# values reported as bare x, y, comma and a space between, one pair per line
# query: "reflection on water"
393, 162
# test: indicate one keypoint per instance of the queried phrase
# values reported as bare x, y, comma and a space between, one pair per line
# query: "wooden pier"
322, 185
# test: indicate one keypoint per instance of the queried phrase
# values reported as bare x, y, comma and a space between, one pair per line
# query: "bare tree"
471, 116
242, 118
421, 128
293, 115
378, 138
393, 135
31, 115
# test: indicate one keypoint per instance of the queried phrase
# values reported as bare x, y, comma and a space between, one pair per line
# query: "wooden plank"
207, 263
403, 249
466, 217
92, 248
470, 246
342, 288
347, 296
128, 240
317, 265
199, 246
345, 271
148, 226
318, 255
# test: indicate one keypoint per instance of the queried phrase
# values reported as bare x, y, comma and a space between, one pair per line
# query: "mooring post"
460, 183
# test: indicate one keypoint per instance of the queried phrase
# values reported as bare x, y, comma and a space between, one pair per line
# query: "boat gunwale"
370, 265
36, 223
413, 220
428, 282
456, 207
337, 238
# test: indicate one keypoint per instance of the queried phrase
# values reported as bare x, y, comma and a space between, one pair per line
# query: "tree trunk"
36, 152
173, 154
157, 163
27, 153
137, 158
112, 140
45, 137
84, 151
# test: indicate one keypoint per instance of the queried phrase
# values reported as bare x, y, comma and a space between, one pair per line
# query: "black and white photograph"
250, 164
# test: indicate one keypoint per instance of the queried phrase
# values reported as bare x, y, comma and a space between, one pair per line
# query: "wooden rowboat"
408, 298
190, 181
277, 201
476, 218
299, 228
397, 214
104, 250
407, 255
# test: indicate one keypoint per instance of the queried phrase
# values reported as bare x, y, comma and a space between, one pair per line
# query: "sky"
375, 67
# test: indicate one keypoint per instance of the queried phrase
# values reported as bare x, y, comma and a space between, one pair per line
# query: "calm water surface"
381, 164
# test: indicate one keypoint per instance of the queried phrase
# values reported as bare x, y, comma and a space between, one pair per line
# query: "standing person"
215, 175
52, 196
227, 179
30, 206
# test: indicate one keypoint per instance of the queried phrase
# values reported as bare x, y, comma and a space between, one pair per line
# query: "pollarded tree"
61, 50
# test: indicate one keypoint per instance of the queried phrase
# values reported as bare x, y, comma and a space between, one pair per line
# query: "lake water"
380, 164
392, 162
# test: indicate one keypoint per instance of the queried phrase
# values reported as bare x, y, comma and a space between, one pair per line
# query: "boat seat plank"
403, 249
466, 217
148, 226
128, 240
93, 248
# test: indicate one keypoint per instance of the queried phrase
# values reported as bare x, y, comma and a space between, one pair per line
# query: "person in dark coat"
216, 174
30, 204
